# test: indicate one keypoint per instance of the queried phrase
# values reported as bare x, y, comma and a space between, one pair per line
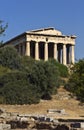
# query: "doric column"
23, 49
72, 54
36, 51
64, 54
55, 51
46, 51
27, 48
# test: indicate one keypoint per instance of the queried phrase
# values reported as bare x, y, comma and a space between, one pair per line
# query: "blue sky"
65, 15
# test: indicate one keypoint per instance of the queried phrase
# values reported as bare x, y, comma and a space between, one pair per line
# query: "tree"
9, 57
76, 80
16, 89
2, 29
63, 70
45, 76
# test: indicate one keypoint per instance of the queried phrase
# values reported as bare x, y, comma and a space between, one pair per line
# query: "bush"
76, 80
27, 61
46, 77
24, 80
9, 57
63, 70
15, 89
4, 70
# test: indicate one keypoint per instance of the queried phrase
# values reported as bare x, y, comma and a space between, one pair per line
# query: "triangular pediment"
47, 31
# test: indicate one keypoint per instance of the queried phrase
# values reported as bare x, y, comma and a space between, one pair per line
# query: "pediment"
47, 31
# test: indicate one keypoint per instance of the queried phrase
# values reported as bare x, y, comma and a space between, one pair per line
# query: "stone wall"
12, 121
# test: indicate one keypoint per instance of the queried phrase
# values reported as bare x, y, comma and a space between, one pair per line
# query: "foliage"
15, 89
76, 80
9, 57
4, 70
24, 80
27, 87
2, 29
46, 77
27, 63
63, 70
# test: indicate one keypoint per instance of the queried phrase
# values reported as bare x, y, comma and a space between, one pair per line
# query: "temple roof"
50, 31
47, 31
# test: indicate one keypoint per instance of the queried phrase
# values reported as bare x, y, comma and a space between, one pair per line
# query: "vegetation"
2, 29
63, 70
24, 80
76, 80
9, 57
15, 89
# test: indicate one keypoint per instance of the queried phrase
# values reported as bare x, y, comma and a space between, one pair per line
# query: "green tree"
27, 63
63, 70
45, 76
2, 29
76, 80
4, 70
9, 57
16, 89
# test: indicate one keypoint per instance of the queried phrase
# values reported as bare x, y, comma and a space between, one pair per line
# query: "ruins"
44, 44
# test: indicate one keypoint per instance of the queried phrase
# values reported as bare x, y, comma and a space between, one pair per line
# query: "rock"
62, 127
5, 127
82, 125
31, 124
24, 119
43, 125
55, 111
2, 111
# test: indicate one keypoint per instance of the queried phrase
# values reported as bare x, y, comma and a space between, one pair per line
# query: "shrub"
15, 89
27, 63
63, 70
76, 80
46, 77
9, 57
4, 70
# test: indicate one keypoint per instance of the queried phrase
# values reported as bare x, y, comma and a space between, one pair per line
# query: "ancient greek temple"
44, 44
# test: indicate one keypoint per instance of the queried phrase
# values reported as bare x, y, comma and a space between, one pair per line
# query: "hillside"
62, 100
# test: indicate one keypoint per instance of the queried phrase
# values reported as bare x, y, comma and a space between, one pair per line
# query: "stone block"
82, 124
5, 127
75, 125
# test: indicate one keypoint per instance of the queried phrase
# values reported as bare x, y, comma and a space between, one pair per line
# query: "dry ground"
71, 106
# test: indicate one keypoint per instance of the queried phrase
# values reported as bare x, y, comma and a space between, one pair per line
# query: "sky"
66, 16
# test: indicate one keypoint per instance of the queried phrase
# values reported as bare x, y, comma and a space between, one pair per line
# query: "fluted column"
36, 51
64, 54
72, 54
27, 48
69, 54
46, 51
55, 51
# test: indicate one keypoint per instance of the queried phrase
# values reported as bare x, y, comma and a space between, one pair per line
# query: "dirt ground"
71, 106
